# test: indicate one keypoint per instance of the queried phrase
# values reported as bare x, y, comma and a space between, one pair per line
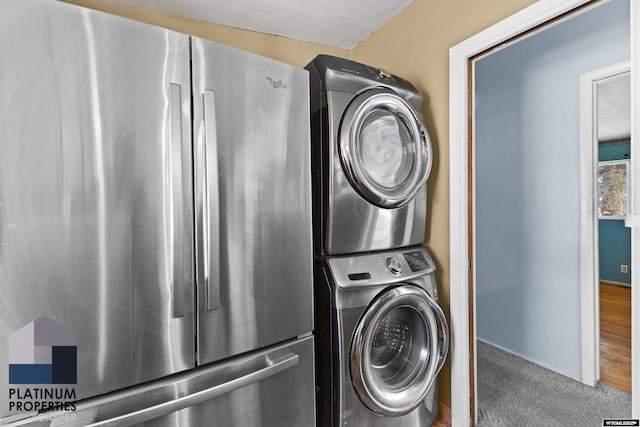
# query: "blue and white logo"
42, 352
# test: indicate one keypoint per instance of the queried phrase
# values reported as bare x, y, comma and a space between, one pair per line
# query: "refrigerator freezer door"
95, 196
267, 388
253, 209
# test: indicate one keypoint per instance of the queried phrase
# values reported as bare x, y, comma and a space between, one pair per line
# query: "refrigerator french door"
171, 249
253, 200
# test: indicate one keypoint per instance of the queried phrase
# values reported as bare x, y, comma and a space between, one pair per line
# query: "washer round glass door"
384, 148
394, 352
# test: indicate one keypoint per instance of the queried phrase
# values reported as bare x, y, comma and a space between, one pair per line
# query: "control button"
394, 265
359, 276
383, 74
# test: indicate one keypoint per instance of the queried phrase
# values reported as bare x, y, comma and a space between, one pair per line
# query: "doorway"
463, 221
526, 174
605, 131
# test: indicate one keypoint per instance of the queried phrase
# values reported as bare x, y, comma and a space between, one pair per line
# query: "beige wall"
415, 45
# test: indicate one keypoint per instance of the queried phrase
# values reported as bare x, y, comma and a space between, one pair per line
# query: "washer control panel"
381, 268
394, 265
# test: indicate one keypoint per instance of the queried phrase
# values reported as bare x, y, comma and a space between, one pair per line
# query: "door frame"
633, 220
462, 276
589, 252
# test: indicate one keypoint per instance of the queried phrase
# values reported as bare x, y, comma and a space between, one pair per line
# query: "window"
613, 189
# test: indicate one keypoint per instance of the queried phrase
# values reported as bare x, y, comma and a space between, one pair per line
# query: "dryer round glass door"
397, 350
384, 148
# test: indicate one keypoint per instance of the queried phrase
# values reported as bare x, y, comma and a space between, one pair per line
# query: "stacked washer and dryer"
381, 338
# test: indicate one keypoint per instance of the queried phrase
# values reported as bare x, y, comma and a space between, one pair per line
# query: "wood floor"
615, 336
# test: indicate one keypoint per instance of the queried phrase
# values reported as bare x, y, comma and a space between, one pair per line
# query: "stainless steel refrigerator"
155, 224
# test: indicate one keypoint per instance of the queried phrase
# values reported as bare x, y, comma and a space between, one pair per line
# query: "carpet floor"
515, 392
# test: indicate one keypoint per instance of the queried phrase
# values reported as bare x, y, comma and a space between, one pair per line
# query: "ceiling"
339, 23
614, 108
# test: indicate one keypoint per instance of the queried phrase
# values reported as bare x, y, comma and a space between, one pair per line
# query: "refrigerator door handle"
211, 203
273, 367
174, 222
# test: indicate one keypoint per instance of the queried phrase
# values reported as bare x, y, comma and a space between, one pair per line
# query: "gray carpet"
515, 392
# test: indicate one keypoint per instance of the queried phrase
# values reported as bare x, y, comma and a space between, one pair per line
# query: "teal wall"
615, 249
619, 151
615, 238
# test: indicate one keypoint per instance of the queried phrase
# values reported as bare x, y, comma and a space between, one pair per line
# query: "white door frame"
459, 55
589, 268
633, 220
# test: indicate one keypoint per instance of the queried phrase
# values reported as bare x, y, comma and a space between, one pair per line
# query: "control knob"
394, 265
